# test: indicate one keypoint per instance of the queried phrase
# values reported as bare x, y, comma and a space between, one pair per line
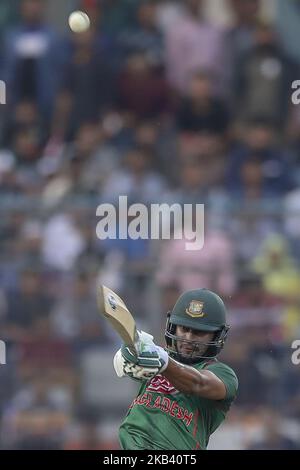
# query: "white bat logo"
112, 301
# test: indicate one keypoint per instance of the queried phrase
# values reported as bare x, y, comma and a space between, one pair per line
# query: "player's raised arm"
189, 380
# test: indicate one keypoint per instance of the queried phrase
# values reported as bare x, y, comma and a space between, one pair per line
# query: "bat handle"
133, 349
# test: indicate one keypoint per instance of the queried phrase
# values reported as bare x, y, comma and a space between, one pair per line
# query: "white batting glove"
123, 368
144, 339
151, 359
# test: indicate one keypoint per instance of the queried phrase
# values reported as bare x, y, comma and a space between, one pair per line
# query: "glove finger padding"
124, 368
144, 359
152, 357
139, 373
128, 355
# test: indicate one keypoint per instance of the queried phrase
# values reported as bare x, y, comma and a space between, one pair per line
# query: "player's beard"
191, 349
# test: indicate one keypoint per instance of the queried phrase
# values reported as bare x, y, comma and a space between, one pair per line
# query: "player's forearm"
184, 378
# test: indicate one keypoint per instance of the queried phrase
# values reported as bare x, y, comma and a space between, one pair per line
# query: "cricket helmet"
198, 309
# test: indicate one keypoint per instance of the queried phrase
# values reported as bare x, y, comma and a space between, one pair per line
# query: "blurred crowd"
160, 104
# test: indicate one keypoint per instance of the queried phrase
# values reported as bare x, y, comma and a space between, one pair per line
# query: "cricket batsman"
185, 391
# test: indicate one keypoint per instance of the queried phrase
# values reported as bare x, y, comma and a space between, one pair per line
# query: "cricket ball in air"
79, 22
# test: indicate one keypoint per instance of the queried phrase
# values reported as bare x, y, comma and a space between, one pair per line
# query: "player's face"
187, 349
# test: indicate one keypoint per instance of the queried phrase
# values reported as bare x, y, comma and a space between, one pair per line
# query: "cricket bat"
112, 307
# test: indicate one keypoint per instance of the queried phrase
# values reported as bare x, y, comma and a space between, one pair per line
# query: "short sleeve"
228, 377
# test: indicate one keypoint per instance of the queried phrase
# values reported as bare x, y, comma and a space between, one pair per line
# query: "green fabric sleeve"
228, 377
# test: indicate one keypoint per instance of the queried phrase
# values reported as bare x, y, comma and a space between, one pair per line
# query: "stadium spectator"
192, 43
88, 84
258, 138
32, 50
212, 266
280, 273
142, 88
136, 179
26, 304
37, 416
201, 111
266, 90
241, 35
145, 37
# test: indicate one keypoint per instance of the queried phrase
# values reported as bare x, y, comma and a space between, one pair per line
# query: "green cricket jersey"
163, 418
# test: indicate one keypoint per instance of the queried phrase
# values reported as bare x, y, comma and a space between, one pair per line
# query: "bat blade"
112, 307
